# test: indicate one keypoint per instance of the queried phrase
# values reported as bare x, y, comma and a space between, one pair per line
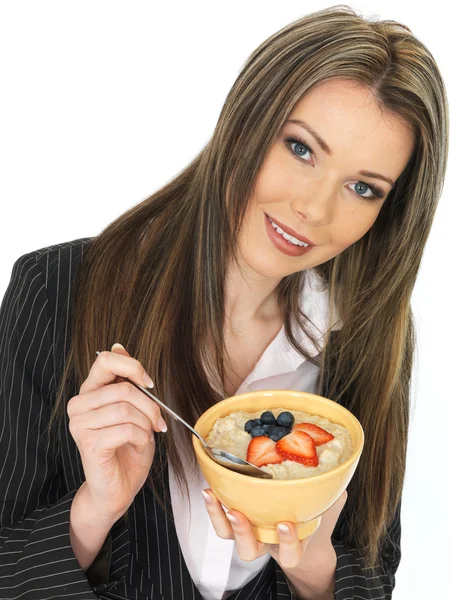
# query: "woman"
343, 126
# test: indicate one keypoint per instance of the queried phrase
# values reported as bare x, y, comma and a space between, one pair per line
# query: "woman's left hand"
309, 555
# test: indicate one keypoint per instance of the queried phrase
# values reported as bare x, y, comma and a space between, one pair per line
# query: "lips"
290, 231
282, 244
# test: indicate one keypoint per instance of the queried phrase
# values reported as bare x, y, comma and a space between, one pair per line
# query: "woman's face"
321, 195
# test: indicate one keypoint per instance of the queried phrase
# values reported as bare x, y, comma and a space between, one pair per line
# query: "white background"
103, 102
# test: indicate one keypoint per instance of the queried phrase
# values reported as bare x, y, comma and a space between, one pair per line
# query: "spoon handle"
169, 410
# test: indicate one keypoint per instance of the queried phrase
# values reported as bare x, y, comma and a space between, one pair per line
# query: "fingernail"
117, 346
162, 424
207, 497
148, 381
283, 529
232, 519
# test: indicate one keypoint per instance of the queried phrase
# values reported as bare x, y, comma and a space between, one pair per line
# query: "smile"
291, 239
287, 244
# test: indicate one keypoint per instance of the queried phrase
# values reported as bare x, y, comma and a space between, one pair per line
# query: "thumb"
119, 349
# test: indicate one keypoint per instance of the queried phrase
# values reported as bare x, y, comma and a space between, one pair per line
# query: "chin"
265, 266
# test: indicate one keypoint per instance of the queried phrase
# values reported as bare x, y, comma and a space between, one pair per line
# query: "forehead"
346, 115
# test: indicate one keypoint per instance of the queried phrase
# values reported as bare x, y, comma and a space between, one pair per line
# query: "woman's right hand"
112, 423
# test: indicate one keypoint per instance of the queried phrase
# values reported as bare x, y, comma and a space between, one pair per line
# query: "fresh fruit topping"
278, 433
250, 424
298, 446
268, 418
285, 419
269, 429
258, 430
319, 435
262, 451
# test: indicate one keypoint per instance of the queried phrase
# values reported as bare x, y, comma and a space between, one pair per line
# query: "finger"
247, 546
290, 549
118, 413
120, 350
221, 524
111, 438
117, 393
109, 365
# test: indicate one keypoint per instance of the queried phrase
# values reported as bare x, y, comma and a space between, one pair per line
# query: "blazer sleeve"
36, 556
352, 580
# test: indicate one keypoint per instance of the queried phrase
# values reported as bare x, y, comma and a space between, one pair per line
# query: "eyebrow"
326, 148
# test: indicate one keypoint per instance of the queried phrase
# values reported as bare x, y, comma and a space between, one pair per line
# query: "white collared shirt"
213, 562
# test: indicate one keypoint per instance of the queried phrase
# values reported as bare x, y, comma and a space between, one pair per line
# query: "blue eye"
376, 191
298, 143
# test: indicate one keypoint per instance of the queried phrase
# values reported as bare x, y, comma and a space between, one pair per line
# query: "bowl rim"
299, 480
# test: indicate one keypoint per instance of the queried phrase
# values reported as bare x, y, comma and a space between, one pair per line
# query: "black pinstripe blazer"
141, 558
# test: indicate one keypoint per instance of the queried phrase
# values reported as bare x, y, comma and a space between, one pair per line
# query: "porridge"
287, 444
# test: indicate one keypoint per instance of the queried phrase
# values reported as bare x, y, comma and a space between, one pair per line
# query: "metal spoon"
224, 458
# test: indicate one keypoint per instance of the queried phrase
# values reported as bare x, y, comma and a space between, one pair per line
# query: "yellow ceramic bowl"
265, 502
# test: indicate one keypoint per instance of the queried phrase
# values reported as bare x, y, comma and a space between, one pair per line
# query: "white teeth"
286, 236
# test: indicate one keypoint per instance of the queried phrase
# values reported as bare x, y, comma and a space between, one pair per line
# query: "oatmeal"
288, 444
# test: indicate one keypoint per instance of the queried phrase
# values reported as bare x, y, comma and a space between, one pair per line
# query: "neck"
250, 298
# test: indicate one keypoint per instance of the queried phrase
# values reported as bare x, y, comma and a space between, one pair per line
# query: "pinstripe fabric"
140, 559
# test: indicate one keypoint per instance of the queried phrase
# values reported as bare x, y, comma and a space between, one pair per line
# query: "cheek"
351, 224
274, 184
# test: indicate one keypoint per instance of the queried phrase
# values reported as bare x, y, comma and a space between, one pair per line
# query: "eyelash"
377, 191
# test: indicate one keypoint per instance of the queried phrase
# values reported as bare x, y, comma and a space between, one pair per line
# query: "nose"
315, 205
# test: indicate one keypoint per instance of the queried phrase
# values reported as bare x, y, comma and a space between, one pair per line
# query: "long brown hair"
153, 279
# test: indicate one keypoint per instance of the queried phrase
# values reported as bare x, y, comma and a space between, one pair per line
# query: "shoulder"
57, 256
58, 262
55, 267
51, 263
60, 256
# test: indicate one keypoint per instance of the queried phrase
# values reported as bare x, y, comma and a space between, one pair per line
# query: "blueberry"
278, 433
268, 418
257, 430
258, 422
269, 430
285, 419
250, 424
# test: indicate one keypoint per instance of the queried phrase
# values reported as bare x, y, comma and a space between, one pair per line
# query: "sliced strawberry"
261, 451
319, 435
298, 446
